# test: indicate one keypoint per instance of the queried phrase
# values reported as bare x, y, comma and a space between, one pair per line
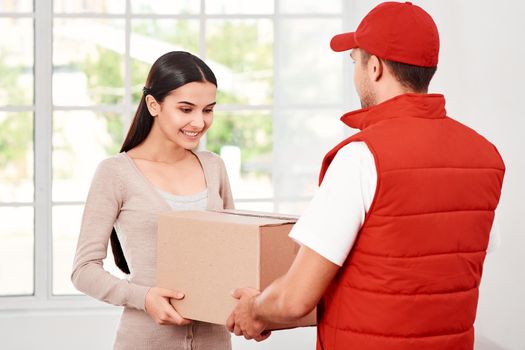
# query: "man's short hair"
416, 78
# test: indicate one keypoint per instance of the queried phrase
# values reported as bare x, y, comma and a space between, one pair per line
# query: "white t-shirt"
333, 218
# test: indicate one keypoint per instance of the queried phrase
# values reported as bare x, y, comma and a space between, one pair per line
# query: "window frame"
43, 109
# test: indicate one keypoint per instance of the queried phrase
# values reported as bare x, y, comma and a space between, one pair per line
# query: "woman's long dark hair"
169, 72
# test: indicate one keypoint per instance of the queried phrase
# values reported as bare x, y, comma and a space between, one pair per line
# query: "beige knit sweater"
120, 196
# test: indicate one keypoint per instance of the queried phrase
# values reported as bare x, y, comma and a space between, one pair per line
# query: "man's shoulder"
354, 149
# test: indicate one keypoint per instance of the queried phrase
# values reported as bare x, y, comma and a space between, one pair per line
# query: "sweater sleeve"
100, 213
225, 189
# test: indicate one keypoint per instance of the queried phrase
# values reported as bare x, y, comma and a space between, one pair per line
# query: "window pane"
303, 136
163, 7
88, 55
264, 206
309, 72
16, 61
292, 208
239, 7
16, 251
244, 140
16, 5
240, 54
310, 6
92, 6
66, 227
150, 39
16, 157
81, 139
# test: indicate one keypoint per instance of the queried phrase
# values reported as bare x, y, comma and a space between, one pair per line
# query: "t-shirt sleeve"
333, 218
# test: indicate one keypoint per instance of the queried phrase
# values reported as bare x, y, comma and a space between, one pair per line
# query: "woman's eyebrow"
193, 104
187, 103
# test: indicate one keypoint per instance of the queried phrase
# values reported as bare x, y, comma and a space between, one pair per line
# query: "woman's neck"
157, 148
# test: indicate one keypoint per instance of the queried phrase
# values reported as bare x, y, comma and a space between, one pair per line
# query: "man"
393, 243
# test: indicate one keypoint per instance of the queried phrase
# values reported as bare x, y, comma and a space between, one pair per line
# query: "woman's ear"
375, 68
153, 105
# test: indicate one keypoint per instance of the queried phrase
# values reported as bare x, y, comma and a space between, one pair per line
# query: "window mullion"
202, 55
127, 65
349, 20
276, 91
43, 66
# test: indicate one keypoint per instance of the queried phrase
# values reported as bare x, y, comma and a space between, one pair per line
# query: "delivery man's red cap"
395, 31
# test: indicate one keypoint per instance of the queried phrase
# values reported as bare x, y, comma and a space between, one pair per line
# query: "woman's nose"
198, 120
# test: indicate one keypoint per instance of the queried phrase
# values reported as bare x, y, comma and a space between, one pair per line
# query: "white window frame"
43, 108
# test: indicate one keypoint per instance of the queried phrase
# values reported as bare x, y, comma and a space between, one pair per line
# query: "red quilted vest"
411, 280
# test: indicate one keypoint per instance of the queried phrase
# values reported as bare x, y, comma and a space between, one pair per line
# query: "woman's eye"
186, 110
208, 111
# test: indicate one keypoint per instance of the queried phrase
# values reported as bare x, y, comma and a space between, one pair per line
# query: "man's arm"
326, 231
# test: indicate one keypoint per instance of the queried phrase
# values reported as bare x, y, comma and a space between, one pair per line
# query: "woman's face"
186, 113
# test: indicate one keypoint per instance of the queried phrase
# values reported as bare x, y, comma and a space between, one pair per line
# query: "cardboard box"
207, 254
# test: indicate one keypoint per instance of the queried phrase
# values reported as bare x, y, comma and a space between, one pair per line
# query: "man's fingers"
237, 293
237, 330
230, 323
263, 336
240, 292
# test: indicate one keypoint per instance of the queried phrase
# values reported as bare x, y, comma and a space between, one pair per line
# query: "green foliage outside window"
251, 131
228, 46
15, 128
234, 45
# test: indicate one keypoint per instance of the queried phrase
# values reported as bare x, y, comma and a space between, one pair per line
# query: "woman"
155, 172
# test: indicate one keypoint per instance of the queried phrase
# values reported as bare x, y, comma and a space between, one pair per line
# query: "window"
280, 96
16, 149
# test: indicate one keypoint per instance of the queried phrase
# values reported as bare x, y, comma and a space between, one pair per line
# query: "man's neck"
392, 90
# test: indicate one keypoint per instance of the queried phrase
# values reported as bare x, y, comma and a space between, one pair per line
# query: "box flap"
285, 219
238, 217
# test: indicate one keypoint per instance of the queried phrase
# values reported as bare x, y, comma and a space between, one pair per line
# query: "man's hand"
243, 320
286, 299
159, 308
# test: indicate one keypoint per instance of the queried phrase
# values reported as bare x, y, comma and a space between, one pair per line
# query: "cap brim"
343, 42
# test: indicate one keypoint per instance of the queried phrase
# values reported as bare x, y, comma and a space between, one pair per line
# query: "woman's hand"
158, 306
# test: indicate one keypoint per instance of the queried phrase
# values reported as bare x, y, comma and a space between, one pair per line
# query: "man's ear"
153, 105
375, 68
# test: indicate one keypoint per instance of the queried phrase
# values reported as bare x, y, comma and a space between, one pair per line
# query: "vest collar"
430, 106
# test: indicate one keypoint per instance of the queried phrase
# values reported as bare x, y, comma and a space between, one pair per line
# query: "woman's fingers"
172, 316
168, 293
158, 306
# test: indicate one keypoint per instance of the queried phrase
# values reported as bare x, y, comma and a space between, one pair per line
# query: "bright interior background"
69, 88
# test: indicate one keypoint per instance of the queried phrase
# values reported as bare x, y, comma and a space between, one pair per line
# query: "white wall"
95, 330
482, 73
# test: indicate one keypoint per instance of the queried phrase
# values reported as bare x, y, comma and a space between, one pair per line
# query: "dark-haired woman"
155, 172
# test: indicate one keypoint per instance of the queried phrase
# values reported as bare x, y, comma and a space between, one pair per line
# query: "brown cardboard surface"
207, 254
